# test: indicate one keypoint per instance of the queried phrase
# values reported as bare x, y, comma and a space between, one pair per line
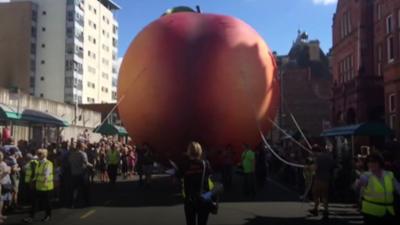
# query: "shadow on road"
165, 191
301, 221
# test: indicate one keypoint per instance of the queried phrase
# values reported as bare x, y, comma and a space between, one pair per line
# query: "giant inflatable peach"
192, 76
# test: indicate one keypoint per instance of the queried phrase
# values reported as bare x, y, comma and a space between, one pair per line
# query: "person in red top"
6, 135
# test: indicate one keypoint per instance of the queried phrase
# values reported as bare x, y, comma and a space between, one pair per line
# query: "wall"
15, 44
78, 118
303, 93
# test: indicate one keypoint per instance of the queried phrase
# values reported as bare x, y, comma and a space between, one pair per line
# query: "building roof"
299, 57
110, 4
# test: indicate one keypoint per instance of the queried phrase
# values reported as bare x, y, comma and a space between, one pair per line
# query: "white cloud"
4, 1
324, 2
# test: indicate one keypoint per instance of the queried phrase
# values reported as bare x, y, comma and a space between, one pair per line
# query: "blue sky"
277, 21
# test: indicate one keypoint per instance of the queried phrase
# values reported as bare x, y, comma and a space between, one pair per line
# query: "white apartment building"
76, 50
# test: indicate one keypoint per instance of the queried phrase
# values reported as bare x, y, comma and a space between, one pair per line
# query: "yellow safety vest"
29, 172
113, 158
41, 183
378, 198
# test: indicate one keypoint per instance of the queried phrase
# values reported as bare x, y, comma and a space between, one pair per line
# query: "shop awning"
111, 129
362, 129
38, 117
9, 113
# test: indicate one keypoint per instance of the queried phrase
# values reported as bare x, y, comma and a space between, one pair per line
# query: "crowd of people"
370, 179
26, 169
31, 174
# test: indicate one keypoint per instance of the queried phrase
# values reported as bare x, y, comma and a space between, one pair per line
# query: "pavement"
161, 204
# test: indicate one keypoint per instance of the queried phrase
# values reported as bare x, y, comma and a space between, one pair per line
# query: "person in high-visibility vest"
377, 190
29, 174
248, 164
44, 185
113, 161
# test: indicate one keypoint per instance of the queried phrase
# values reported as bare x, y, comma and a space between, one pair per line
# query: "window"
114, 95
389, 24
380, 55
379, 11
34, 15
392, 121
44, 13
94, 40
43, 46
70, 16
398, 18
95, 11
41, 95
94, 26
33, 31
33, 65
345, 25
42, 78
42, 62
43, 29
70, 32
390, 49
379, 69
392, 103
348, 25
33, 48
91, 69
346, 70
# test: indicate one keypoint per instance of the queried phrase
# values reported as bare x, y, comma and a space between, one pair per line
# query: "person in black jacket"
191, 171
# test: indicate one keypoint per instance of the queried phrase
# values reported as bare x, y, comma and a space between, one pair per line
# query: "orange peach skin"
203, 77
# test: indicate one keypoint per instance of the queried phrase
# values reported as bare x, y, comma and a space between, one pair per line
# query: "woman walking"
195, 173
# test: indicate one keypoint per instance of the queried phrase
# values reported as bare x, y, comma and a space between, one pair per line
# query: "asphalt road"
161, 204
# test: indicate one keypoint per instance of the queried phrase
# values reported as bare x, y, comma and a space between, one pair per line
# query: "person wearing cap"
44, 185
377, 189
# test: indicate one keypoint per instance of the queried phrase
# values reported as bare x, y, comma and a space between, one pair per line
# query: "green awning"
362, 129
38, 117
111, 129
9, 113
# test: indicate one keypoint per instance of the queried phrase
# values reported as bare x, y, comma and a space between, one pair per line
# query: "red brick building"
305, 86
358, 89
386, 22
